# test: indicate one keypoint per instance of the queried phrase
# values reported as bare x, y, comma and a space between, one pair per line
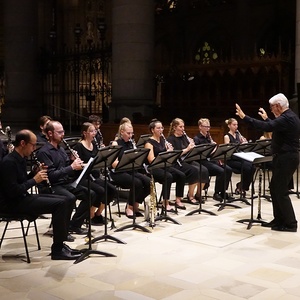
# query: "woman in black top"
86, 149
157, 144
244, 167
124, 179
179, 141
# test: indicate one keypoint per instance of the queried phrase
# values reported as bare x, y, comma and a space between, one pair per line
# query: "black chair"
10, 217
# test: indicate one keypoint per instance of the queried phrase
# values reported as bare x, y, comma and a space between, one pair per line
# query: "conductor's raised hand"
263, 113
239, 111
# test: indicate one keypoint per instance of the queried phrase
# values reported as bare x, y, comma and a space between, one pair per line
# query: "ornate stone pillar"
22, 106
132, 57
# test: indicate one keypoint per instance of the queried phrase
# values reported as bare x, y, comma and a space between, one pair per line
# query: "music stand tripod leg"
199, 210
106, 236
225, 202
87, 252
164, 216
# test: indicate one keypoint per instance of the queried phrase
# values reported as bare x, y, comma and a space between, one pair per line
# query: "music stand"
246, 147
200, 152
85, 173
264, 147
143, 139
131, 160
105, 157
164, 160
257, 162
223, 152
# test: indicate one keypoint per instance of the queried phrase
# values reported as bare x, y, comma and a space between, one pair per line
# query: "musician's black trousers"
284, 166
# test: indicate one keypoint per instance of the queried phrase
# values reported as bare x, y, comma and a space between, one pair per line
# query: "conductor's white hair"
280, 99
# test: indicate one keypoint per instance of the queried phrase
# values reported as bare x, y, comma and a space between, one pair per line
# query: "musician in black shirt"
14, 198
285, 150
124, 179
61, 170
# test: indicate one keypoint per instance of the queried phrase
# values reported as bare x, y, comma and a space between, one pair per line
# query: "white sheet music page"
76, 182
249, 156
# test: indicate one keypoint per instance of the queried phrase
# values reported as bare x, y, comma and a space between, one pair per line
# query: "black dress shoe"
180, 206
270, 224
217, 197
64, 254
228, 197
284, 228
78, 230
138, 214
73, 251
70, 238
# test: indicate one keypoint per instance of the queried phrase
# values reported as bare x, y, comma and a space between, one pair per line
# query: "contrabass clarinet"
40, 167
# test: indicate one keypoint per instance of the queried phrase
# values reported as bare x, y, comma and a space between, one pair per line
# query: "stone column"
22, 105
297, 50
132, 60
294, 102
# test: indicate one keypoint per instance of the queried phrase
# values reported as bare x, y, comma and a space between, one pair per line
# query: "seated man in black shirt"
60, 172
14, 198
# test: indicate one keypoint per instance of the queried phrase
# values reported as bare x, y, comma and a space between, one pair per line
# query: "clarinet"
40, 166
135, 147
242, 138
73, 152
169, 146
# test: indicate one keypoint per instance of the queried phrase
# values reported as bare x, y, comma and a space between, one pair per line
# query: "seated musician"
14, 198
61, 170
157, 144
179, 141
41, 135
124, 179
97, 122
85, 150
214, 167
245, 167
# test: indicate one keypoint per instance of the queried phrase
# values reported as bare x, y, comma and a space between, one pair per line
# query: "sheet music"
76, 182
249, 156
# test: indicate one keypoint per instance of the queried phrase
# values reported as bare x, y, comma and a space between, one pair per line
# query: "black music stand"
257, 162
131, 160
143, 139
198, 153
164, 160
86, 174
246, 147
105, 157
263, 147
223, 152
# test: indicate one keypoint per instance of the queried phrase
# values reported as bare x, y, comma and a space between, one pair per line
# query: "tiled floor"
207, 257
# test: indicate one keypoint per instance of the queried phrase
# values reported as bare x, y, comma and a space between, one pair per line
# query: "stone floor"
206, 257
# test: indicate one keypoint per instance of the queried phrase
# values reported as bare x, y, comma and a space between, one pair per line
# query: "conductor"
285, 147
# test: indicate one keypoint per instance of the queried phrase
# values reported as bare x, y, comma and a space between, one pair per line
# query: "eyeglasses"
59, 131
271, 106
